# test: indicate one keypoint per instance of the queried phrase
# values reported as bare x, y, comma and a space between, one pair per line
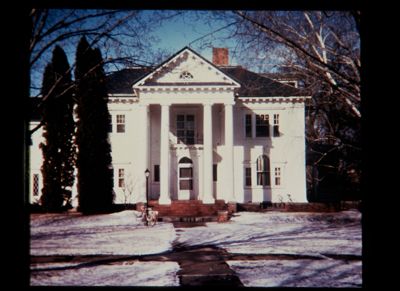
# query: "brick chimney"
220, 56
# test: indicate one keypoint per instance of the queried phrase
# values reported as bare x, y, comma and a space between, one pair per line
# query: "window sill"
257, 187
184, 146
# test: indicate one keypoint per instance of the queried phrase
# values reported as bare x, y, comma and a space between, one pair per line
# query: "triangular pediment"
186, 68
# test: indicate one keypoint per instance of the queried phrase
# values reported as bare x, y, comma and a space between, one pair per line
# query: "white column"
164, 158
208, 155
229, 183
144, 148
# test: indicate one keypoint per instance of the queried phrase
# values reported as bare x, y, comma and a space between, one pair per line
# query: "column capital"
229, 103
145, 107
165, 104
207, 103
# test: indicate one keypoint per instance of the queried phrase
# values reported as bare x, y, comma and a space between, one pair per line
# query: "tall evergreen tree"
95, 180
58, 131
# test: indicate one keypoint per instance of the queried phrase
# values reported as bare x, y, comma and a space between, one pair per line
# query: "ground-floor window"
121, 178
277, 176
35, 185
156, 173
263, 171
215, 172
247, 176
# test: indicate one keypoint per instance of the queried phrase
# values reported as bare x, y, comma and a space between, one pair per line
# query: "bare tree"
122, 35
128, 189
322, 50
324, 46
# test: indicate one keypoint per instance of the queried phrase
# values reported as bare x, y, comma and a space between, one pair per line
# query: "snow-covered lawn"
313, 234
298, 273
119, 233
282, 233
132, 274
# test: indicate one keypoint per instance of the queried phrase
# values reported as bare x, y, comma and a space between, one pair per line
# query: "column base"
164, 201
231, 199
208, 200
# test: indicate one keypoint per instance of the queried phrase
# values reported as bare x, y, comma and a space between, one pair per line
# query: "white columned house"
206, 130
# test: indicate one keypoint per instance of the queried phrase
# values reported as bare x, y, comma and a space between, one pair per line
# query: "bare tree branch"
294, 45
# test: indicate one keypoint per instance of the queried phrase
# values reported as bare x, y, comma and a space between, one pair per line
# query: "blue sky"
183, 31
171, 36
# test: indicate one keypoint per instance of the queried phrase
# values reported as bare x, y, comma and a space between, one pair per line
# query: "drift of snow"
121, 233
314, 234
298, 273
128, 274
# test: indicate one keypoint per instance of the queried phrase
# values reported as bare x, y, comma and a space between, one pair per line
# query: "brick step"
188, 208
189, 219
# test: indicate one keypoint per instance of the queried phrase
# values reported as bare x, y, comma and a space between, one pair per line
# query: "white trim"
186, 53
118, 100
188, 98
184, 87
275, 99
125, 95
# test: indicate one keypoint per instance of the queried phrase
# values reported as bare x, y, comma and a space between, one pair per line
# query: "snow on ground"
282, 233
298, 273
120, 233
130, 274
123, 233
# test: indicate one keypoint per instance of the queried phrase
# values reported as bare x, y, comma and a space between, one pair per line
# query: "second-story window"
120, 123
185, 128
276, 125
110, 127
262, 125
248, 125
247, 176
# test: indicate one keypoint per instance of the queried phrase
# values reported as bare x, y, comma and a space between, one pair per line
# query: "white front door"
185, 179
